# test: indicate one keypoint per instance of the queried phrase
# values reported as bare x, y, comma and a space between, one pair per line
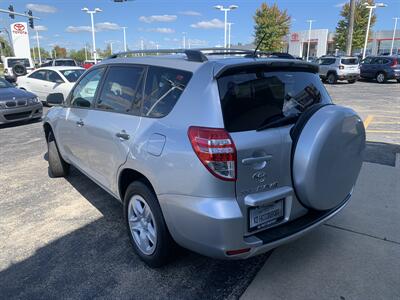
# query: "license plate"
264, 216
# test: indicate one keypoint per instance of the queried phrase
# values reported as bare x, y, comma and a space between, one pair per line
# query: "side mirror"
55, 99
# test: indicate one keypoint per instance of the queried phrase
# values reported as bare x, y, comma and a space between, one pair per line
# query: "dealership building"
322, 43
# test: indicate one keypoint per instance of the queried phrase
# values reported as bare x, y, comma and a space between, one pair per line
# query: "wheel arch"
47, 129
126, 177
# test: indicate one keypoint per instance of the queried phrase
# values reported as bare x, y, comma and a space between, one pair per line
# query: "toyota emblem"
19, 27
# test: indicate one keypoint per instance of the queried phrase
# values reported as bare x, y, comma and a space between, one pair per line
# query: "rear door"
34, 82
350, 65
112, 125
259, 108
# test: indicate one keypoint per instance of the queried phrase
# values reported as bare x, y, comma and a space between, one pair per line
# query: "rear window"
349, 61
250, 99
68, 63
18, 61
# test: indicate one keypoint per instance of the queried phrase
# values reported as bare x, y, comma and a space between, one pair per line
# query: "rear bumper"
352, 76
212, 226
9, 115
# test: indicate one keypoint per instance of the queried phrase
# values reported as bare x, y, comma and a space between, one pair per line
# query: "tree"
43, 53
59, 51
274, 24
78, 55
5, 48
360, 25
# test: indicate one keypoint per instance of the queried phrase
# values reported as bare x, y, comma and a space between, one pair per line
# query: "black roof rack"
192, 55
199, 55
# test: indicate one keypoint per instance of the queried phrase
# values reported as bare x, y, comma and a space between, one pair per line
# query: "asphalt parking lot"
64, 238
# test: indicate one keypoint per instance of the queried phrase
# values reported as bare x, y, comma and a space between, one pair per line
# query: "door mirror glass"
55, 99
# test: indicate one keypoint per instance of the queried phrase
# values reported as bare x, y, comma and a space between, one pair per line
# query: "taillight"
341, 67
394, 62
216, 150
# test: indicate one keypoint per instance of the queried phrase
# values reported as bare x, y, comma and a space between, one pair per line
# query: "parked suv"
334, 68
227, 156
381, 68
16, 66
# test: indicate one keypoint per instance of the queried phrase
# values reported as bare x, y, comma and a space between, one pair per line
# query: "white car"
50, 80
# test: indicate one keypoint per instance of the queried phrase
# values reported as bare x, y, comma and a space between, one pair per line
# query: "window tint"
349, 61
122, 90
367, 61
54, 77
41, 75
163, 88
67, 62
327, 61
18, 61
72, 75
250, 99
84, 93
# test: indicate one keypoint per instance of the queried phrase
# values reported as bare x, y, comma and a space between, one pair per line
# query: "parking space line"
383, 131
368, 120
379, 122
388, 117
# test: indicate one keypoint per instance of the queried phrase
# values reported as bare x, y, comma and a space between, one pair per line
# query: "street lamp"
225, 10
92, 12
309, 38
371, 8
394, 34
124, 29
229, 34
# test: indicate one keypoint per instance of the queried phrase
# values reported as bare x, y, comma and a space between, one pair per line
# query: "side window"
84, 93
164, 86
327, 61
122, 90
367, 61
54, 77
41, 75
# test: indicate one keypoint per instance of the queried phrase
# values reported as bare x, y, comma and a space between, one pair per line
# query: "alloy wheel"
142, 225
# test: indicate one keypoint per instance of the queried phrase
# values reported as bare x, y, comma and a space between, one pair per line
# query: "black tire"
352, 81
166, 247
19, 70
332, 78
381, 77
398, 80
57, 165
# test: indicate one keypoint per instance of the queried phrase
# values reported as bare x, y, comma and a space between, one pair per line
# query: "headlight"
33, 100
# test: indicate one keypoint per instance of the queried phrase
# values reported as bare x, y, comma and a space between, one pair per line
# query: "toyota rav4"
222, 152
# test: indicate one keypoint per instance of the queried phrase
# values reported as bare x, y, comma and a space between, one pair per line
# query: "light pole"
38, 47
394, 34
184, 40
92, 12
229, 34
309, 38
124, 29
371, 8
225, 10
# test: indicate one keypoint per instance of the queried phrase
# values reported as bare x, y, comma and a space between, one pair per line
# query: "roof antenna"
259, 44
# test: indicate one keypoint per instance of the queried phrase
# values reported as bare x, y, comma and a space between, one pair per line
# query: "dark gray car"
17, 105
381, 68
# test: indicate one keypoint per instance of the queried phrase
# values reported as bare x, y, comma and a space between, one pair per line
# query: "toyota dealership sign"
20, 39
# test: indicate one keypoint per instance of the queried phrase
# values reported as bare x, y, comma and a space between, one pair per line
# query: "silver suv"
334, 68
224, 153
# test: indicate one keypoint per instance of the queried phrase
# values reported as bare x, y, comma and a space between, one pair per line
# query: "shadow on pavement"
97, 261
381, 153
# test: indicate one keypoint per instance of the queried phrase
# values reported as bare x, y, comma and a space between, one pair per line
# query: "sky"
165, 22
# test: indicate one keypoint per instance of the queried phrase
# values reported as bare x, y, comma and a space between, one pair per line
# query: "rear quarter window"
249, 99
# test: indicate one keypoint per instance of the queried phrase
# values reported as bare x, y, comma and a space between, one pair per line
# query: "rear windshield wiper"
280, 122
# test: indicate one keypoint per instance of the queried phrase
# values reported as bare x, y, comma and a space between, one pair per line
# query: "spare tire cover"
327, 156
19, 70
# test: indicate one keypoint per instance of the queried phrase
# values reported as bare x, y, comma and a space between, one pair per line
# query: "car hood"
14, 94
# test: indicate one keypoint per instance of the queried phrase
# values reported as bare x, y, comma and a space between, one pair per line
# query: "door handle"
122, 135
80, 123
254, 160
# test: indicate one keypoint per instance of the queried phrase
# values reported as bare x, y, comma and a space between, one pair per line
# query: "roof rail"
191, 54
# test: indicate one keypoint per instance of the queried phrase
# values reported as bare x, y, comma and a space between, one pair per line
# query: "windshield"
5, 84
72, 75
349, 61
250, 100
18, 61
66, 62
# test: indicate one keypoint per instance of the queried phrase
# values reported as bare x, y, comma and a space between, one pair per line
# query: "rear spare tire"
328, 145
19, 70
